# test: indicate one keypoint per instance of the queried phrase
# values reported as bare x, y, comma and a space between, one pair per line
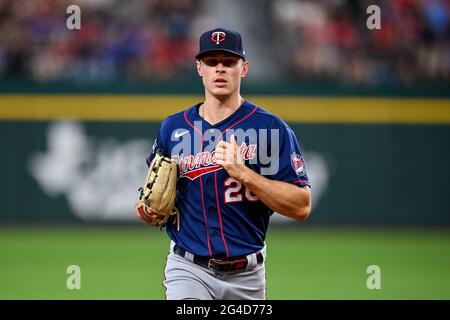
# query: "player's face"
222, 72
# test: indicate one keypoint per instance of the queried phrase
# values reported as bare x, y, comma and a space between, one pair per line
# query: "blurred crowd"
156, 40
329, 39
118, 40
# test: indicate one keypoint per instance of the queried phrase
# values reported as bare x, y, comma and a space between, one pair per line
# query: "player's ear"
199, 69
245, 68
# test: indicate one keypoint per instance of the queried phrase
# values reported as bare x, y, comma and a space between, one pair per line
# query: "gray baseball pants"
185, 280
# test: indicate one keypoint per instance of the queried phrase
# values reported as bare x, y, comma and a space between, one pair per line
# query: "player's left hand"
229, 157
147, 215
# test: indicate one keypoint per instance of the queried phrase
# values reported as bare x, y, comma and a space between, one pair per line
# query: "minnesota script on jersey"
219, 216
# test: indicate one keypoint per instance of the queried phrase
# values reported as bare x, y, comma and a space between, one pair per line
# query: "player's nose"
220, 67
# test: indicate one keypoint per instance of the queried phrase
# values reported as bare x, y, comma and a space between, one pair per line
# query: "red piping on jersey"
195, 128
220, 216
240, 120
215, 178
201, 185
204, 217
297, 181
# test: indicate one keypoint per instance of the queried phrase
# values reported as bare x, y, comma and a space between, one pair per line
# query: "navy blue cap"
221, 39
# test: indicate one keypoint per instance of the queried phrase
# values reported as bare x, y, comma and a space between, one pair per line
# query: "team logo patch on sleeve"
297, 163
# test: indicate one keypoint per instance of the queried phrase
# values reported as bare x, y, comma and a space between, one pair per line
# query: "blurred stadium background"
79, 110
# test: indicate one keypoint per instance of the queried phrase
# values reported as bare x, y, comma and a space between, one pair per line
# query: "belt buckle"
210, 261
219, 265
232, 267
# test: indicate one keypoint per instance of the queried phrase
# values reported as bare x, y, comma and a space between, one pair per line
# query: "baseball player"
237, 165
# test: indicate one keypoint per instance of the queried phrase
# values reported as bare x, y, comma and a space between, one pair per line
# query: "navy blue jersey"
219, 216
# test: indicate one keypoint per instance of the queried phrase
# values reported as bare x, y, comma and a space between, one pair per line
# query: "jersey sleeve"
157, 144
291, 165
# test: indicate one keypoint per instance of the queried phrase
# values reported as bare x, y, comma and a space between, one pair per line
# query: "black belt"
233, 265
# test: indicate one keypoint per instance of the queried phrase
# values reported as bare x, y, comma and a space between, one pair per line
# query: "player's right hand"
146, 215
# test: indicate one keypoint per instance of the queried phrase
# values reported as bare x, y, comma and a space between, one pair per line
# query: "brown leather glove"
157, 200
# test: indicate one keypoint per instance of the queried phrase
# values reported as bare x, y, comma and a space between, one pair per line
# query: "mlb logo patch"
297, 163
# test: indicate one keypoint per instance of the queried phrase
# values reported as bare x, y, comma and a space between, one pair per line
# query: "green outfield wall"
382, 161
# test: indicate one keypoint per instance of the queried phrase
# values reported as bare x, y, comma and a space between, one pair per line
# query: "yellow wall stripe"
291, 109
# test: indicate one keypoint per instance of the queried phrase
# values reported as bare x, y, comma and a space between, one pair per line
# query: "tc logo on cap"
218, 36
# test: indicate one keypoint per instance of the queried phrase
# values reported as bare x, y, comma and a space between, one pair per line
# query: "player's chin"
222, 89
221, 93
